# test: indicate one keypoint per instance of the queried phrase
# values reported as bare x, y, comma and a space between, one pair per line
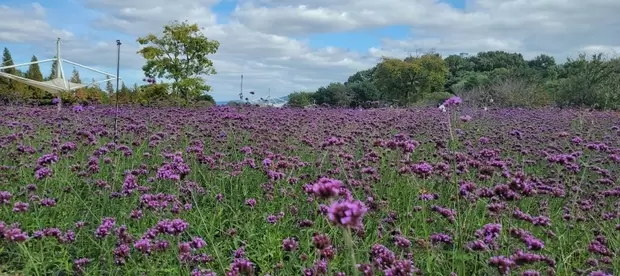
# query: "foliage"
267, 191
181, 55
301, 99
11, 90
204, 100
153, 93
592, 82
34, 73
494, 78
406, 81
335, 94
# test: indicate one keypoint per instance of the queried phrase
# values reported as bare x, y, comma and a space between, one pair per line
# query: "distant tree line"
494, 78
179, 55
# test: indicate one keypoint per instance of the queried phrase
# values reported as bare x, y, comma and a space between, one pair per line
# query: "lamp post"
118, 66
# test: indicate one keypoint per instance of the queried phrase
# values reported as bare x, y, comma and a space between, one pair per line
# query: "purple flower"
105, 227
445, 212
441, 237
289, 244
14, 234
143, 245
81, 262
198, 242
452, 101
20, 207
48, 202
326, 187
347, 213
321, 241
5, 197
42, 173
272, 219
465, 118
502, 263
250, 202
78, 108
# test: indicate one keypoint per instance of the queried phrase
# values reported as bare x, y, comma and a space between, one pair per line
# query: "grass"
293, 140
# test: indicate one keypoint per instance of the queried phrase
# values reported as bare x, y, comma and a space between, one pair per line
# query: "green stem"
450, 129
349, 242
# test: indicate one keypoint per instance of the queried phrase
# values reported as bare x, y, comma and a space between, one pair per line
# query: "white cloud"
257, 39
552, 26
27, 25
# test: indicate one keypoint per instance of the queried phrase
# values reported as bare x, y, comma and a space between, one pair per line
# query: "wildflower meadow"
266, 191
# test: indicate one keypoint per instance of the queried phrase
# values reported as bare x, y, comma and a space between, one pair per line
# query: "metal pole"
118, 66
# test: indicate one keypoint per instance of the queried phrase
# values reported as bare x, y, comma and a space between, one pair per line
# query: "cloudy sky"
286, 46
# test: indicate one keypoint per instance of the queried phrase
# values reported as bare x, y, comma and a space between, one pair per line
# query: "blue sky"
283, 49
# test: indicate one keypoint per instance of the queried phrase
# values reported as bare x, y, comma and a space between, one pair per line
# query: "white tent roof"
53, 86
59, 83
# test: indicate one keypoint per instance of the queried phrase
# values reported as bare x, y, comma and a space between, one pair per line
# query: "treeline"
494, 78
179, 55
149, 93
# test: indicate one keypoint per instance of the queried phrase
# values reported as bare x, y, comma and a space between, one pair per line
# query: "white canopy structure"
266, 101
59, 83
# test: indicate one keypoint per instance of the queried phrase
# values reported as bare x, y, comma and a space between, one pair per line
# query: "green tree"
53, 70
488, 61
34, 73
109, 87
153, 93
9, 89
364, 93
300, 99
335, 94
124, 95
180, 54
75, 76
361, 76
406, 81
590, 82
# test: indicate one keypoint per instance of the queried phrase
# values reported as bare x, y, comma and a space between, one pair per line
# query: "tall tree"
75, 76
6, 61
53, 71
12, 90
335, 94
34, 73
180, 54
407, 81
109, 87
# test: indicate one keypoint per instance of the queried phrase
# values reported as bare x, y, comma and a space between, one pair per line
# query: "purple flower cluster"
175, 170
325, 188
346, 213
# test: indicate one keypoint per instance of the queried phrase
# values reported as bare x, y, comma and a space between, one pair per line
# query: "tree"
124, 95
488, 61
407, 81
75, 76
9, 89
180, 54
300, 99
361, 76
54, 70
153, 93
336, 94
94, 93
80, 93
34, 73
591, 82
109, 87
365, 93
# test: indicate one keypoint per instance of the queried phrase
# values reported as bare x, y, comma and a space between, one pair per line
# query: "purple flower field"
250, 191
